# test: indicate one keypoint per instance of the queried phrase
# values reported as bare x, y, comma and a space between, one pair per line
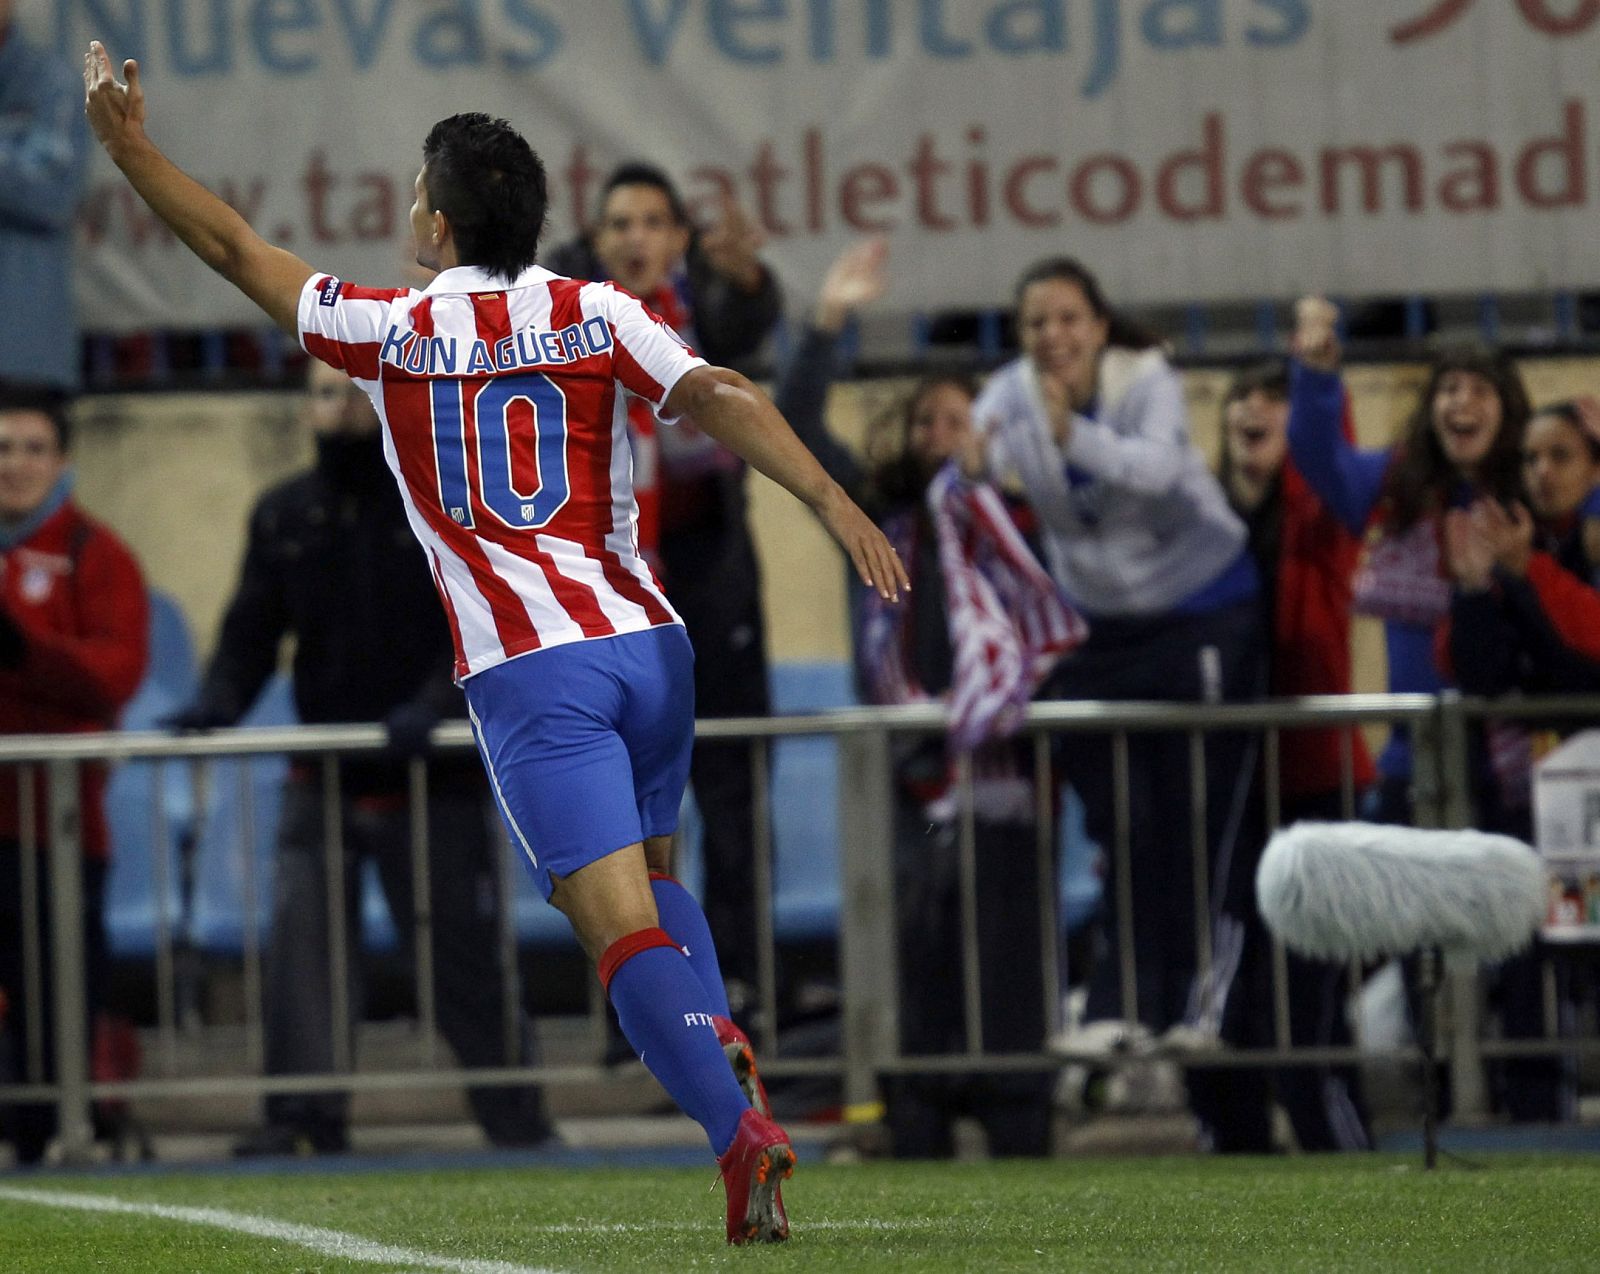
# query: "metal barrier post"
161, 878
1282, 1034
967, 853
255, 1035
766, 941
421, 918
868, 963
338, 937
32, 936
66, 943
1049, 903
1469, 1089
1122, 874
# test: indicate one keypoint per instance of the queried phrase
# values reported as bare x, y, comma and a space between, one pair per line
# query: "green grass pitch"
1509, 1214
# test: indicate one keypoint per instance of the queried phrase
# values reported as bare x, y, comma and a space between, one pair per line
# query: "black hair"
637, 173
1421, 479
1270, 378
491, 185
896, 476
1567, 410
1120, 331
45, 400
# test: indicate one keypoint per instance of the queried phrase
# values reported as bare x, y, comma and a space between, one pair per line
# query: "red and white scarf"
1009, 624
1402, 581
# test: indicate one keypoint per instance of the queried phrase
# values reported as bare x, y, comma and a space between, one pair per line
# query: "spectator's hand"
874, 557
196, 718
858, 276
1316, 341
731, 246
115, 111
13, 642
1469, 553
1588, 407
1509, 531
410, 727
1057, 396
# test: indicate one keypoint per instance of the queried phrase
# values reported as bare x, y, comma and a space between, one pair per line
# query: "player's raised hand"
858, 276
115, 110
874, 557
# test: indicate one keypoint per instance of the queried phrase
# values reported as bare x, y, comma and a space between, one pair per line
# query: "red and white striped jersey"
505, 423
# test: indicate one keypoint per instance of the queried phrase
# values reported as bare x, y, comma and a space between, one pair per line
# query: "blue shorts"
587, 744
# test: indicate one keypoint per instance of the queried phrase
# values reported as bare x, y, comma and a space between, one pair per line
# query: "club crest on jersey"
330, 292
527, 513
458, 513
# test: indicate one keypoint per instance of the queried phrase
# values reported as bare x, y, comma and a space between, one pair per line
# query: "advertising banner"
1185, 149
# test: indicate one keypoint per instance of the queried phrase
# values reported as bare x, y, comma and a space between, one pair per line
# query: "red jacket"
1311, 635
75, 593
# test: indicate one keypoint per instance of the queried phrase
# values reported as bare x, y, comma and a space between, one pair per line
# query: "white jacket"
1133, 521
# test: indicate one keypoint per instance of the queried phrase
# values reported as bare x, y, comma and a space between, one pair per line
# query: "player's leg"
659, 730
681, 916
661, 1005
549, 727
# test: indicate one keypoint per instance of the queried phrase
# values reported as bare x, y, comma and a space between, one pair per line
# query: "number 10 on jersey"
491, 402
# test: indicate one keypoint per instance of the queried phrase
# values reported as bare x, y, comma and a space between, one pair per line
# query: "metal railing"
869, 1032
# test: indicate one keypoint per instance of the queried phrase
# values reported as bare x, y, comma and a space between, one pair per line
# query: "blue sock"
686, 925
665, 1015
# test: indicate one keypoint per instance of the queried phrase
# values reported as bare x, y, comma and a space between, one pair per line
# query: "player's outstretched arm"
219, 236
728, 408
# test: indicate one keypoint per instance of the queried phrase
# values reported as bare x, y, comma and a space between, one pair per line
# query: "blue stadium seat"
219, 919
805, 804
132, 793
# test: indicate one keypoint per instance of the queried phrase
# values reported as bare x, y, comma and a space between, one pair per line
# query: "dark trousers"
1325, 1104
1190, 658
30, 1125
469, 983
1014, 1108
714, 582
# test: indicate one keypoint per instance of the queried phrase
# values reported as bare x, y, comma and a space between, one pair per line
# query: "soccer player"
501, 391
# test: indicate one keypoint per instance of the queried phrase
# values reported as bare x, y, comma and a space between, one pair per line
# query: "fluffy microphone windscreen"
1356, 891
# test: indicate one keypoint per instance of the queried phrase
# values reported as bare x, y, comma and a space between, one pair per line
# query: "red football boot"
754, 1165
741, 1056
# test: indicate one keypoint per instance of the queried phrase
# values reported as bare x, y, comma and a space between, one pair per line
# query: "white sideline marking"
333, 1243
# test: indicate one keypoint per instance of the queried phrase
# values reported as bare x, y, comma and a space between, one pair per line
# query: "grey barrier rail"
1439, 729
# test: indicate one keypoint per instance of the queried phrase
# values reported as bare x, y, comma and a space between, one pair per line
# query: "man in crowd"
74, 634
332, 563
43, 151
714, 291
